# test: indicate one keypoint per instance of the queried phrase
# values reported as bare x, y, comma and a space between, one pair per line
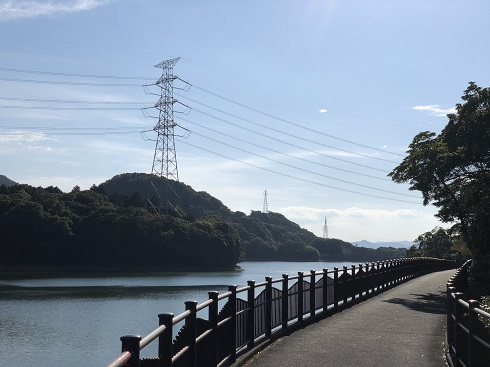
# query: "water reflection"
13, 293
77, 322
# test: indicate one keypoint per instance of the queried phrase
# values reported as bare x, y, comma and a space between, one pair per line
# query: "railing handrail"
120, 360
465, 339
355, 293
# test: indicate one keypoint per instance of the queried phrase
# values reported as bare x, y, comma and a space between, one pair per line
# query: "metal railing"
468, 340
263, 311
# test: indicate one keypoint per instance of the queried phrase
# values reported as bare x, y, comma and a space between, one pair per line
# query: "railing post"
372, 277
232, 300
472, 324
335, 287
390, 274
396, 272
363, 281
268, 307
346, 293
325, 290
399, 265
457, 321
312, 293
131, 344
190, 322
251, 314
213, 320
450, 313
165, 352
353, 285
300, 296
379, 277
285, 300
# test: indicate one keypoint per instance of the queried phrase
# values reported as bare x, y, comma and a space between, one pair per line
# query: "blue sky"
315, 101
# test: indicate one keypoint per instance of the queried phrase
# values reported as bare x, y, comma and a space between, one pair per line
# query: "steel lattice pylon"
265, 207
165, 158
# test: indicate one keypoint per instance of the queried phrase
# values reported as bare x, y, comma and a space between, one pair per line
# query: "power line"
200, 88
72, 108
282, 153
78, 133
75, 131
138, 128
292, 123
74, 74
302, 169
66, 101
295, 97
69, 83
277, 130
297, 178
294, 136
201, 65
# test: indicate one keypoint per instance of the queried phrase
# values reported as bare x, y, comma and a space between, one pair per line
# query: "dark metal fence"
261, 311
467, 338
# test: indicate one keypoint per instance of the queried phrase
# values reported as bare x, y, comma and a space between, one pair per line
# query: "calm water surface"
78, 321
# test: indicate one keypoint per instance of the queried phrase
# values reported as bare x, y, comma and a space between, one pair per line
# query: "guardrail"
467, 338
267, 310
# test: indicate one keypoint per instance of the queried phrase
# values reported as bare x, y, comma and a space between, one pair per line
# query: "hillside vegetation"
125, 224
46, 229
266, 236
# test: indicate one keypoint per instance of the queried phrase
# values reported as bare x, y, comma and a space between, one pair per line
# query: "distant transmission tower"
165, 157
325, 229
265, 207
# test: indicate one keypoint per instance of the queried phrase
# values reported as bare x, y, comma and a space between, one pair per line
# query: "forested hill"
44, 229
266, 236
4, 180
124, 224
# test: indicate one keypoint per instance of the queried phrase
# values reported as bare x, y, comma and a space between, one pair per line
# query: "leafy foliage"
332, 249
83, 231
115, 227
266, 236
436, 243
452, 170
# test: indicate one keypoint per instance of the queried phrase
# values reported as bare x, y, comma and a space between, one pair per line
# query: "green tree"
436, 243
452, 170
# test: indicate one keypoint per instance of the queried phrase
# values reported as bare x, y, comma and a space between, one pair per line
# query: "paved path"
402, 327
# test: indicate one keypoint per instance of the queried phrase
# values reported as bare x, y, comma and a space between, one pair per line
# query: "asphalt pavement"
404, 326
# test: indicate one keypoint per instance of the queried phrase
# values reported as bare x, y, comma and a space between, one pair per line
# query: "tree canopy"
46, 229
452, 169
113, 227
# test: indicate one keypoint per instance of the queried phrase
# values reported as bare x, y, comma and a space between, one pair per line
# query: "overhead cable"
295, 177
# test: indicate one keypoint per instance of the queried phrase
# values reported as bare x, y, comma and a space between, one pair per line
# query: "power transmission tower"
265, 207
325, 229
165, 157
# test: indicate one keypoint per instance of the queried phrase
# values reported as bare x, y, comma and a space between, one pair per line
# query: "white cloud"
17, 9
323, 110
353, 212
435, 110
354, 223
19, 136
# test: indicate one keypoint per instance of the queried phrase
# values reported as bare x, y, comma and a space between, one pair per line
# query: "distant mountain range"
397, 244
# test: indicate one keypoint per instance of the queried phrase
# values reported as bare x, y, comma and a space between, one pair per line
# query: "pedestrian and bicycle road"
402, 327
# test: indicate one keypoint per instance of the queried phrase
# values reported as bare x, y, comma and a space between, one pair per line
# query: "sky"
315, 101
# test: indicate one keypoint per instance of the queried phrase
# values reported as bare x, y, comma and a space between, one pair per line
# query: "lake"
77, 321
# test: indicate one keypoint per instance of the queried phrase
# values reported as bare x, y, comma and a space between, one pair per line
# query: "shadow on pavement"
428, 303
